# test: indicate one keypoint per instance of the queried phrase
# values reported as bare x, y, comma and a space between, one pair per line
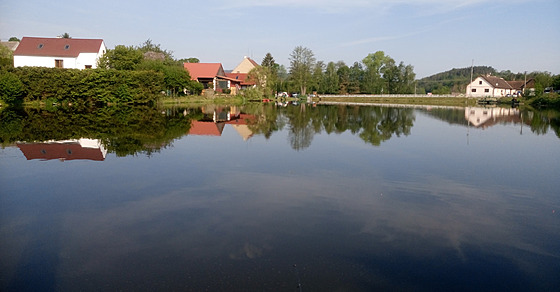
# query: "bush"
89, 86
11, 87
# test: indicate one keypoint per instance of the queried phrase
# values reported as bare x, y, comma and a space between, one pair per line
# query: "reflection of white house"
481, 117
492, 86
59, 52
89, 149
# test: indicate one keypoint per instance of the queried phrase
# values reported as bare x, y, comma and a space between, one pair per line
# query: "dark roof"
520, 84
57, 47
497, 82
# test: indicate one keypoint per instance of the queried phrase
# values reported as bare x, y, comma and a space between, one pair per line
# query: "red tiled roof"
63, 151
203, 70
57, 47
253, 62
206, 128
241, 77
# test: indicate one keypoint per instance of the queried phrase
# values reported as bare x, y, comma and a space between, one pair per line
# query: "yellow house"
245, 66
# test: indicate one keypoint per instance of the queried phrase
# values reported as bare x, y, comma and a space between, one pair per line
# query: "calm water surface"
274, 198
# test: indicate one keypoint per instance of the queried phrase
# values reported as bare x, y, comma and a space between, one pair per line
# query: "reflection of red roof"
206, 128
63, 151
204, 70
57, 47
242, 119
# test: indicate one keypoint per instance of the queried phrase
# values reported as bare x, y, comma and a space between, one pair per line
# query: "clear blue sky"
431, 35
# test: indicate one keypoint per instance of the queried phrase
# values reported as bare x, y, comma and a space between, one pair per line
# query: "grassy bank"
200, 99
442, 101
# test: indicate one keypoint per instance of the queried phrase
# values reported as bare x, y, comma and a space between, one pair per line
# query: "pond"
287, 197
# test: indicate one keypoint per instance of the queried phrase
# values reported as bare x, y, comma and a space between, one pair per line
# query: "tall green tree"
356, 78
271, 72
374, 66
331, 79
317, 83
302, 62
343, 73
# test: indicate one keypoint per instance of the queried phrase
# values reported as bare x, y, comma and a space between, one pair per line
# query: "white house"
489, 86
59, 52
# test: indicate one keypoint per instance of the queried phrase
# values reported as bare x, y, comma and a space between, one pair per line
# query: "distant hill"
454, 80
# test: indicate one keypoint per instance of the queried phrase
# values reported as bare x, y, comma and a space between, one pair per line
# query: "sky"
431, 35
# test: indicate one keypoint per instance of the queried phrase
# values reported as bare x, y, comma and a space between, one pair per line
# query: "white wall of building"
484, 89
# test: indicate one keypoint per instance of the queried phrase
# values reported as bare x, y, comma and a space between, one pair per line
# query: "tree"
343, 73
268, 61
318, 80
6, 57
121, 58
14, 39
148, 47
375, 63
271, 73
259, 75
302, 61
65, 36
189, 60
356, 78
331, 79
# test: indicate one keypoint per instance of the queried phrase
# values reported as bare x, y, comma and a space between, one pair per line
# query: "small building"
213, 76
59, 52
492, 86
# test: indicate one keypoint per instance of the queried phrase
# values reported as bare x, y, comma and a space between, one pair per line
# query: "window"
88, 66
479, 82
58, 64
67, 47
486, 90
40, 46
473, 90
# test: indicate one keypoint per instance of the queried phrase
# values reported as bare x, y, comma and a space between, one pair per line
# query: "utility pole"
472, 71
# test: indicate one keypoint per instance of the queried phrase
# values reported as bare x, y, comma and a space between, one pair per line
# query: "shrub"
11, 87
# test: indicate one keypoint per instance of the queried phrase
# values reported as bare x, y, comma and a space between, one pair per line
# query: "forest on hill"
456, 80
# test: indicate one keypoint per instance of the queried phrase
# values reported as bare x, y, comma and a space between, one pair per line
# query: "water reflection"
355, 208
148, 130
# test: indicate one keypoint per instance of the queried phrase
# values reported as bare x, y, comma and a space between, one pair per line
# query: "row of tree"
377, 73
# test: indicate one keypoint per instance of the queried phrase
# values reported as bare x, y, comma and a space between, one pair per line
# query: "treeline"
377, 73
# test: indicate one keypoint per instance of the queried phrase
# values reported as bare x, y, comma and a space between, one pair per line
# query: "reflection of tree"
267, 121
122, 130
372, 124
540, 121
380, 123
301, 126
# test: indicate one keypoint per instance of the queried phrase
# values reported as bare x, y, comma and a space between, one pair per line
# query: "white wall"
33, 61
